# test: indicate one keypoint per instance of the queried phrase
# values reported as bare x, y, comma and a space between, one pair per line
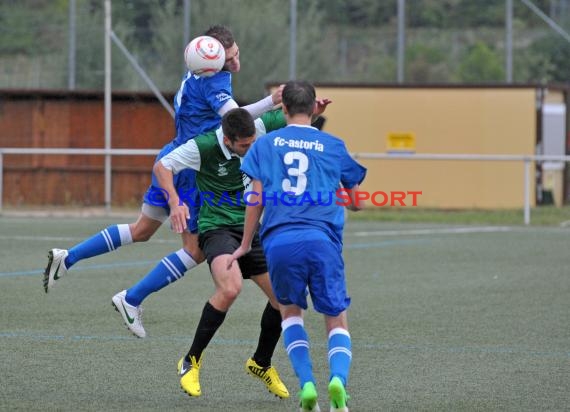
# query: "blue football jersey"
197, 102
300, 169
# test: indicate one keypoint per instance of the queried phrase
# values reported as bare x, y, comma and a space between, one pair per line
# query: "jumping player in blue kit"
295, 173
199, 105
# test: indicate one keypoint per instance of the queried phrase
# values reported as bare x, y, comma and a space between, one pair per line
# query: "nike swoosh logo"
55, 276
129, 319
183, 370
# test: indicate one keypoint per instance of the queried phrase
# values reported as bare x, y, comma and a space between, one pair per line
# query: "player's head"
239, 131
299, 97
226, 37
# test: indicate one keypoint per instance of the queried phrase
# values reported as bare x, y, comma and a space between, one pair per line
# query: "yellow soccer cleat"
189, 373
269, 376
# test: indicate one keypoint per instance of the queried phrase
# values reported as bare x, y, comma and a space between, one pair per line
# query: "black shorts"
225, 241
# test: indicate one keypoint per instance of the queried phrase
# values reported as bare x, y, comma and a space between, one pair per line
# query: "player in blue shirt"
296, 172
202, 98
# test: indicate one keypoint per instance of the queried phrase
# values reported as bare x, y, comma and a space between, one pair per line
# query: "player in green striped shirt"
219, 179
216, 158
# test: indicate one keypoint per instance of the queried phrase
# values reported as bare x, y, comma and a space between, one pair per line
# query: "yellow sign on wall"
401, 142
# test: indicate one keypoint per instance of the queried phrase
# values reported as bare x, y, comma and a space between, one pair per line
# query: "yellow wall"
443, 120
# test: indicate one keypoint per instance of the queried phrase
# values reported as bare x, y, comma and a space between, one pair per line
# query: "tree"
555, 50
24, 24
425, 64
481, 64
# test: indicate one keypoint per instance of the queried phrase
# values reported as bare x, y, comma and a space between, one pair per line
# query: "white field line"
379, 233
434, 231
73, 239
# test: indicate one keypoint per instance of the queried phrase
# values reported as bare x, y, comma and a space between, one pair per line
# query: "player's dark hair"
238, 124
222, 34
299, 97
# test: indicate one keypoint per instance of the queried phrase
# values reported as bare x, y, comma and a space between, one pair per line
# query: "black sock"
210, 321
269, 336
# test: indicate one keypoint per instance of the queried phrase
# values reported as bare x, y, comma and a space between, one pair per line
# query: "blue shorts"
185, 184
307, 259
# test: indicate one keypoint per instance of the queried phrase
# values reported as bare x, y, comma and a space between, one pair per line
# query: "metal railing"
526, 159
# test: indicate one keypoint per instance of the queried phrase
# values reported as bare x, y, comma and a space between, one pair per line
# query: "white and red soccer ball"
204, 56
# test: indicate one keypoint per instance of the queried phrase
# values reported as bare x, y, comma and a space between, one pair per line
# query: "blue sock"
105, 241
297, 345
340, 354
170, 269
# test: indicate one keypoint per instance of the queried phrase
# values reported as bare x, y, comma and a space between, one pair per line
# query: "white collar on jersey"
220, 136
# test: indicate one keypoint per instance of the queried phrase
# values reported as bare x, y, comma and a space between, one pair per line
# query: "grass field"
444, 318
539, 216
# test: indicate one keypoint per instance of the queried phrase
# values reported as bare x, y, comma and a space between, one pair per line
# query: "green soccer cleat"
269, 376
337, 395
308, 398
190, 375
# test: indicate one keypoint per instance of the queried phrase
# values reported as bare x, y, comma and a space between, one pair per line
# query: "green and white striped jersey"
220, 181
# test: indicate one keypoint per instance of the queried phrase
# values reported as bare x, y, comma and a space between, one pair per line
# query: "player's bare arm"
356, 204
178, 211
253, 213
255, 109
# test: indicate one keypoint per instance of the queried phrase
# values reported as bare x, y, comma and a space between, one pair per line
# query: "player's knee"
230, 292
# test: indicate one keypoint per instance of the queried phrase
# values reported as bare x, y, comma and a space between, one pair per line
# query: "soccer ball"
204, 56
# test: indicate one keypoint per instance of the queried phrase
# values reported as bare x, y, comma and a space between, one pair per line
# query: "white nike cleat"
132, 315
55, 268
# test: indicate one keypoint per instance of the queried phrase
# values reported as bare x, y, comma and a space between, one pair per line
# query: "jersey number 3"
302, 163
